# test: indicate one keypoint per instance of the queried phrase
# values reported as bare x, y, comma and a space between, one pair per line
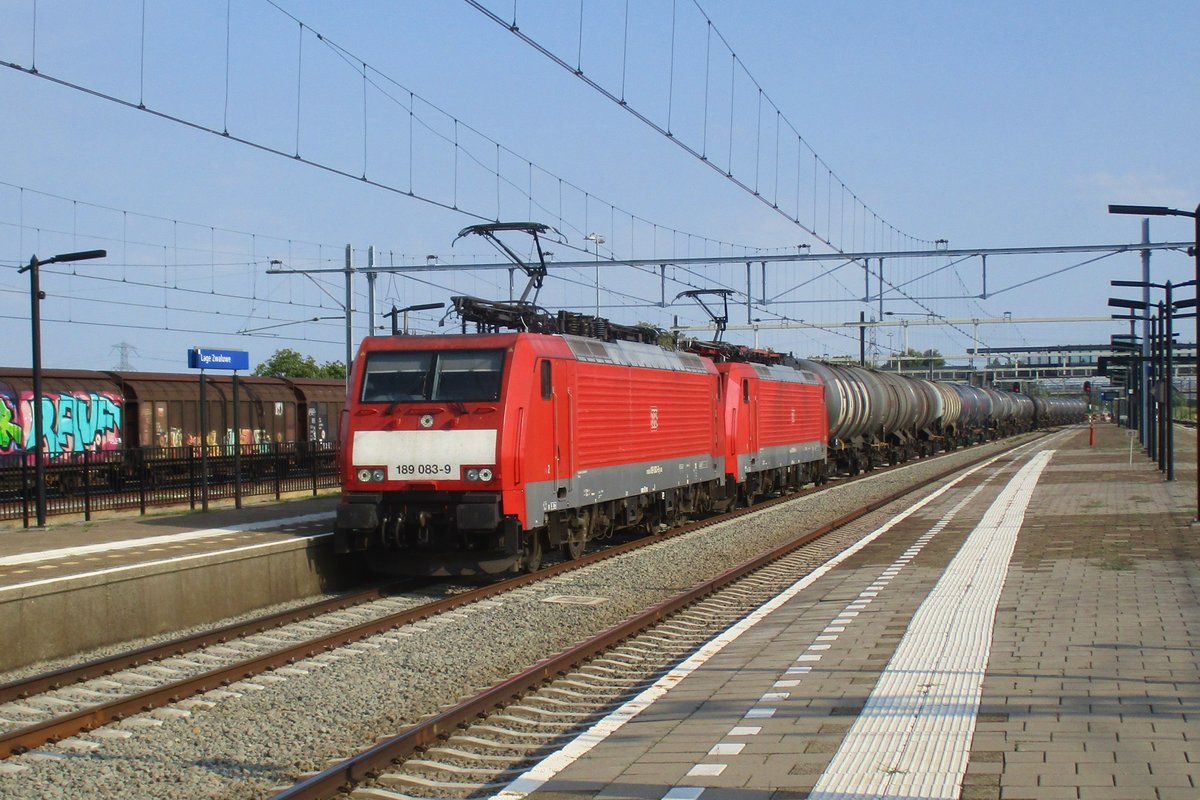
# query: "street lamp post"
597, 240
1153, 377
35, 317
1163, 211
1160, 437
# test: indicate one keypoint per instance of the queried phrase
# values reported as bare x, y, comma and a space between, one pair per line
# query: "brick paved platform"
1032, 632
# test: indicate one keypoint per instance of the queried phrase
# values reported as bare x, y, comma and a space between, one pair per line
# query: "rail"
341, 777
71, 723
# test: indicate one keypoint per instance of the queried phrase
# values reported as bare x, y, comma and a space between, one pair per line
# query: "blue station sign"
204, 358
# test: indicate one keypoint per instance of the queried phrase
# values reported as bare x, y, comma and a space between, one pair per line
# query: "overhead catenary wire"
212, 258
855, 220
367, 76
699, 150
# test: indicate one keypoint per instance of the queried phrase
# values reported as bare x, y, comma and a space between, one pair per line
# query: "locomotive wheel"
573, 545
532, 552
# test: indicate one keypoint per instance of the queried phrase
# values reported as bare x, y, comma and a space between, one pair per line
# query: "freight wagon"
133, 423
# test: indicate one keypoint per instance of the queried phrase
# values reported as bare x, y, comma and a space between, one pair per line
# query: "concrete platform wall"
64, 617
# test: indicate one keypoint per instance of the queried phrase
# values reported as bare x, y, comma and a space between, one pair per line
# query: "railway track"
244, 671
96, 668
481, 743
54, 705
62, 702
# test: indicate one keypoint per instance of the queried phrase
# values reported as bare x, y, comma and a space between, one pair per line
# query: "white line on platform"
545, 770
278, 544
150, 541
913, 736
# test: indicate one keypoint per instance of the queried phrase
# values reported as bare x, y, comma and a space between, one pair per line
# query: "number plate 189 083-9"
416, 455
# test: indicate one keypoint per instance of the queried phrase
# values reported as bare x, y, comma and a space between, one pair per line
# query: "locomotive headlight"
485, 474
472, 474
371, 474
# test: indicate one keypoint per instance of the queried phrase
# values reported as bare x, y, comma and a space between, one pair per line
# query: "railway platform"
1032, 633
79, 585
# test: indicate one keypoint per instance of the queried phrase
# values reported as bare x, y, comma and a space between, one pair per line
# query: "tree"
333, 370
913, 359
287, 363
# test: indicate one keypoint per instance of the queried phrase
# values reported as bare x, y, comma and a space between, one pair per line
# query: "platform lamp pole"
35, 316
597, 240
1163, 211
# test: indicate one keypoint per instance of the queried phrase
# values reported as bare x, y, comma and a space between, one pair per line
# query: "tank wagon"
877, 418
1049, 411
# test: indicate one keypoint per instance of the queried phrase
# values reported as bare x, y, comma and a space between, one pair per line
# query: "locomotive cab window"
547, 385
745, 391
396, 377
468, 375
450, 375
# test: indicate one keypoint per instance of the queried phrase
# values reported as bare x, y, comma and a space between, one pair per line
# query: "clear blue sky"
990, 125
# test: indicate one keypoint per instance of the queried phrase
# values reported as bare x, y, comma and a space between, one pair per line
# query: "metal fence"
153, 477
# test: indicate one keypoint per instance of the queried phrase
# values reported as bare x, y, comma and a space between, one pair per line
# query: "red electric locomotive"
775, 422
470, 454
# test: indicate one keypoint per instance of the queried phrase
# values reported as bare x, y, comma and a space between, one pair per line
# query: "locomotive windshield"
422, 375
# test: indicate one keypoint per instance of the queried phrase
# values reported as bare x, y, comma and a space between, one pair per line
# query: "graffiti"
318, 423
71, 423
10, 430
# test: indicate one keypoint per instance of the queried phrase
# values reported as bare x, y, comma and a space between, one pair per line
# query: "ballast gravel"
257, 736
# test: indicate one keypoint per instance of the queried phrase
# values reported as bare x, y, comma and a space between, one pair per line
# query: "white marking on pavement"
539, 774
149, 541
913, 736
542, 772
744, 730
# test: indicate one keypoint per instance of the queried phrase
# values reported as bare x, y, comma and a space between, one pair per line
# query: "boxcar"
81, 411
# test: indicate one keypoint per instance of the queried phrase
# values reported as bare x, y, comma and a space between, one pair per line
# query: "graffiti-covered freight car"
164, 410
81, 411
132, 418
